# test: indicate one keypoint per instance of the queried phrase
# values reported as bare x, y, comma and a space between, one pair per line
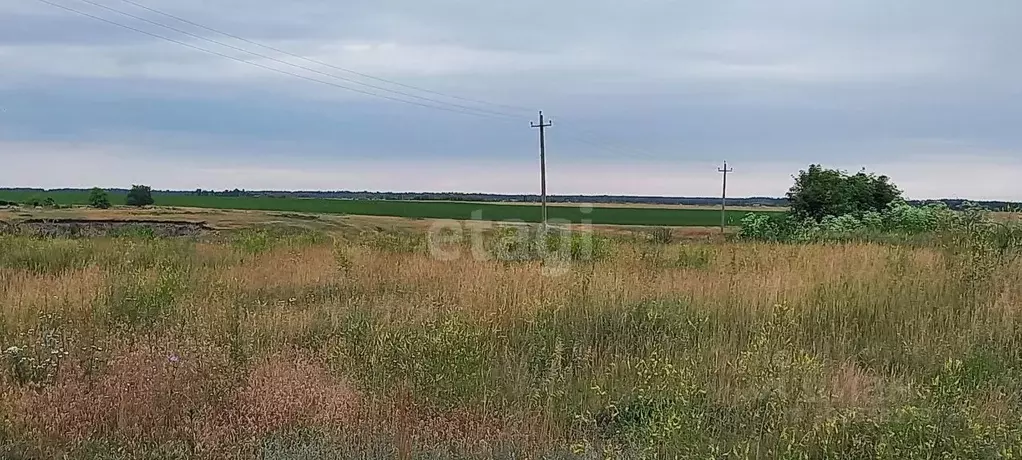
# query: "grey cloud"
36, 29
797, 40
793, 80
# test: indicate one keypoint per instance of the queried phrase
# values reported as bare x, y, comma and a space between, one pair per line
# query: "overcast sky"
646, 96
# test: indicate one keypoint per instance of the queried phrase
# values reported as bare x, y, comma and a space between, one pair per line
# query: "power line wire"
607, 146
446, 106
314, 61
308, 69
604, 145
284, 72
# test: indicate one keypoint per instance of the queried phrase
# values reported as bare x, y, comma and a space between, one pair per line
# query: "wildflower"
173, 358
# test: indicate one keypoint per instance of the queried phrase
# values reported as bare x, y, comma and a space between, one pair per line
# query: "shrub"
897, 220
774, 227
820, 192
41, 202
99, 199
139, 195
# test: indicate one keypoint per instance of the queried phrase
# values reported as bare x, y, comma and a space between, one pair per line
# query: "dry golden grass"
1006, 216
25, 295
213, 347
182, 392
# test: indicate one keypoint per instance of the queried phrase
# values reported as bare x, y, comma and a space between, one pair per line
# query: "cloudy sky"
646, 96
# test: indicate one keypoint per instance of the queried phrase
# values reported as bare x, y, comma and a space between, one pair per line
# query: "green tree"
139, 195
98, 198
820, 192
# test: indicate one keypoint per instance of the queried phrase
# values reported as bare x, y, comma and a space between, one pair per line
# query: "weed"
661, 235
283, 343
36, 358
136, 231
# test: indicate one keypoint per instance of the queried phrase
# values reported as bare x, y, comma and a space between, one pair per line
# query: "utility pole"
723, 197
542, 161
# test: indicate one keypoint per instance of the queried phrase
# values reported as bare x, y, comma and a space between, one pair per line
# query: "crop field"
283, 343
614, 215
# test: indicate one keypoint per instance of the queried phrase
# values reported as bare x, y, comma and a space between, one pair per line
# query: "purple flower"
173, 358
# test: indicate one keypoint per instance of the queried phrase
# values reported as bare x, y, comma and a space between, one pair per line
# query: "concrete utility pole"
542, 161
723, 197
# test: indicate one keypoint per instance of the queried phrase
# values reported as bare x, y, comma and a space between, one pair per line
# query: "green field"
418, 209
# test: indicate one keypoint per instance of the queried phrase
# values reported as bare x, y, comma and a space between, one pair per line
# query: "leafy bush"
773, 227
820, 192
898, 219
41, 202
139, 195
830, 205
98, 198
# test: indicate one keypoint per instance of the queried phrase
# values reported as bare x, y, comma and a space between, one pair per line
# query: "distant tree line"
512, 198
483, 197
955, 203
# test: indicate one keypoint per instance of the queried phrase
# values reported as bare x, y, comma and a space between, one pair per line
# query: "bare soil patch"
103, 227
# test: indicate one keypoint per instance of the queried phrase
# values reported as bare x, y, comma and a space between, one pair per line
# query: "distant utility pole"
542, 161
723, 197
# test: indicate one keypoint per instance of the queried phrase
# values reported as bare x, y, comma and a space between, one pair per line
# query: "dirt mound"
96, 227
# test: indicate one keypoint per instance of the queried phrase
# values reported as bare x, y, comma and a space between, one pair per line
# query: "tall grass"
276, 344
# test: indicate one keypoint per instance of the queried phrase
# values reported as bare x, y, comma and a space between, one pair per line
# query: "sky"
647, 97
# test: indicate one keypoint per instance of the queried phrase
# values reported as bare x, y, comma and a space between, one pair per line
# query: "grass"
421, 209
294, 344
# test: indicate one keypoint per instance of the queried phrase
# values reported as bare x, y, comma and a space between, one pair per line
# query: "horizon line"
491, 194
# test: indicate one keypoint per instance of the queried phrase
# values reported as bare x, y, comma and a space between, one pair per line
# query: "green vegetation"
430, 209
139, 195
899, 222
829, 205
99, 198
283, 343
522, 244
820, 192
39, 201
288, 342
